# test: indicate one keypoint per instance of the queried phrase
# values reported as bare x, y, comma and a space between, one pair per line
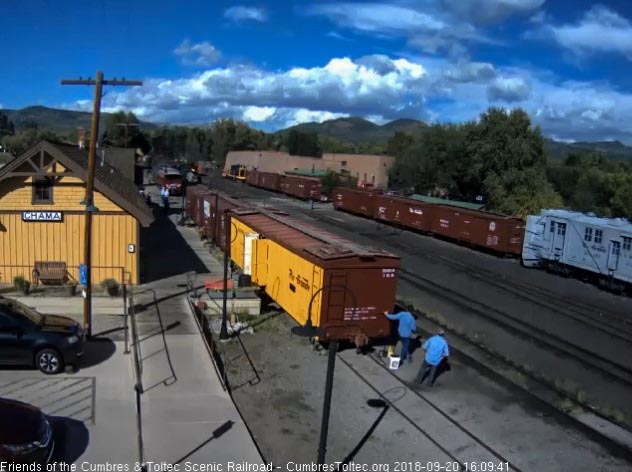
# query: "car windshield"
20, 309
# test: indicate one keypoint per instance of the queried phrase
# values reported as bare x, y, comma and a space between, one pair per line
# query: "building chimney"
82, 138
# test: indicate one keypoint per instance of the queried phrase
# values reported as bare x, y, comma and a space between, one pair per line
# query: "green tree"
303, 144
124, 130
7, 127
521, 192
399, 143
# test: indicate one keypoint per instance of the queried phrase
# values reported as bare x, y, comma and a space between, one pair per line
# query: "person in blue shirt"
407, 326
436, 349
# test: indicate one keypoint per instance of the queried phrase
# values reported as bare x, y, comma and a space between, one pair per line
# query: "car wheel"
49, 361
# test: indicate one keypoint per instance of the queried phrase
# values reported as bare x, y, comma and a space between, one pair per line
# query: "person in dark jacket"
437, 351
407, 326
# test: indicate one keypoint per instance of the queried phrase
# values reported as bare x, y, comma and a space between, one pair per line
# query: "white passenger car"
568, 241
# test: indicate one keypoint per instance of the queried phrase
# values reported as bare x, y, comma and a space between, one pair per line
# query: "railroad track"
580, 312
587, 314
521, 328
467, 441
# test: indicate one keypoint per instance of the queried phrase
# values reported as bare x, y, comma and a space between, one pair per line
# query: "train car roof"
618, 223
303, 238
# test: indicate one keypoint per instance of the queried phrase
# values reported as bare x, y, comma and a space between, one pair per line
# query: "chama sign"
56, 216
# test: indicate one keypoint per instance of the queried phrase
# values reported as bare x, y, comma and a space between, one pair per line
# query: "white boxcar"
562, 240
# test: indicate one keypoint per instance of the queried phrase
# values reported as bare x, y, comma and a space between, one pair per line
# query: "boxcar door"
613, 255
334, 309
249, 241
559, 236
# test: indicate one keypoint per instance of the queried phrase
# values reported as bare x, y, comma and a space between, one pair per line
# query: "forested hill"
357, 130
57, 120
350, 134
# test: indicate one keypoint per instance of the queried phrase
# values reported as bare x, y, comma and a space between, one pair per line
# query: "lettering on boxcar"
388, 273
356, 313
492, 240
444, 223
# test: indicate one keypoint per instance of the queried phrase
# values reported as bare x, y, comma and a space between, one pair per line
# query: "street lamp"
310, 331
223, 332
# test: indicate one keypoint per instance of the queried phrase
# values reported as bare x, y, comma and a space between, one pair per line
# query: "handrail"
138, 381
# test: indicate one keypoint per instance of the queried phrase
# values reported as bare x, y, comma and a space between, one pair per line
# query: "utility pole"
127, 124
88, 200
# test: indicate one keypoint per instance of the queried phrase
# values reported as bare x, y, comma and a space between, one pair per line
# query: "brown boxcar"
252, 178
354, 200
270, 181
346, 286
210, 215
404, 212
302, 187
499, 233
195, 203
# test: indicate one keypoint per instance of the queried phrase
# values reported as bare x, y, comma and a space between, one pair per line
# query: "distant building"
42, 217
368, 168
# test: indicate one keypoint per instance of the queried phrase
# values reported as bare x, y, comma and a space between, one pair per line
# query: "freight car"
569, 242
194, 204
341, 287
202, 205
301, 187
482, 229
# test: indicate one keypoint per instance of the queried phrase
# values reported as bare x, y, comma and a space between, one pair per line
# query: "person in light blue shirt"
407, 326
436, 349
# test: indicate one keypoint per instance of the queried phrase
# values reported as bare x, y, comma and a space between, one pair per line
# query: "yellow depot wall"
23, 243
68, 192
279, 269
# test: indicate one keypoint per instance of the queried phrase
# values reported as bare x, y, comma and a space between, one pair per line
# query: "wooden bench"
50, 272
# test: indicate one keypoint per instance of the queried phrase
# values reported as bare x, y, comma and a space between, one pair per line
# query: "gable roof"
107, 180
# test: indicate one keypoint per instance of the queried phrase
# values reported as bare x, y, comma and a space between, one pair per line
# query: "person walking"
164, 194
407, 326
436, 349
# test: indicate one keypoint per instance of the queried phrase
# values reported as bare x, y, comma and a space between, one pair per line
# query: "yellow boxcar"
344, 287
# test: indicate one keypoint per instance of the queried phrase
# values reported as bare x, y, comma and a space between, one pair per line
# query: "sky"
277, 63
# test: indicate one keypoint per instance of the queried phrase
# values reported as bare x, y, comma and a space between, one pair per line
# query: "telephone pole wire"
88, 200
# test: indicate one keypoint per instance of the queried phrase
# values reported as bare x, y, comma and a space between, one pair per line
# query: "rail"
138, 379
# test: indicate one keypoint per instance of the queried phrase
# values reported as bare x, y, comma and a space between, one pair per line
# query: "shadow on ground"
71, 439
96, 351
165, 253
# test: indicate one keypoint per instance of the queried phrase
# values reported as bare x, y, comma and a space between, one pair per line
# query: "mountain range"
353, 130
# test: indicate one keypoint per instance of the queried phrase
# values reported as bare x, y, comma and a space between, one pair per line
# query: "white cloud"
199, 54
258, 113
378, 17
242, 13
470, 72
379, 88
487, 11
509, 89
600, 30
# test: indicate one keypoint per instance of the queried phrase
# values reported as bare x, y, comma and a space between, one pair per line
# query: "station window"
552, 228
43, 190
561, 229
627, 244
598, 236
588, 234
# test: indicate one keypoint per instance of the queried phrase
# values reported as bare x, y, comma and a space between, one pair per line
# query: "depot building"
42, 217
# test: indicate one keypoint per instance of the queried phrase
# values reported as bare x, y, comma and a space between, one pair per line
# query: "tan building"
369, 168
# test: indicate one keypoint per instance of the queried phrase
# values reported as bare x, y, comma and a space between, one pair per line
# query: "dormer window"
43, 191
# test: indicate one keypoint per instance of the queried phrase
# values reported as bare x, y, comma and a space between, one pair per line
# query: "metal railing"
130, 321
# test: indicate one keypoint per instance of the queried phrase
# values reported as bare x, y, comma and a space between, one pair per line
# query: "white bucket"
393, 362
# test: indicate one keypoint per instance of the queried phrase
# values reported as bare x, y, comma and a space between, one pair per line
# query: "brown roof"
107, 180
306, 239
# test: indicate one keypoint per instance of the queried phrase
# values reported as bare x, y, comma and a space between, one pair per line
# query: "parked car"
26, 435
48, 342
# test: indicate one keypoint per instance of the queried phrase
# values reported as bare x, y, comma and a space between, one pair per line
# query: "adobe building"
368, 168
42, 218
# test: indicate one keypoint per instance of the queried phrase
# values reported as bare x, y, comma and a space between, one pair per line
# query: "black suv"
30, 338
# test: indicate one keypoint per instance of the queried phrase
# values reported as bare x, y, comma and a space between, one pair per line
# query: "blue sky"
276, 63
